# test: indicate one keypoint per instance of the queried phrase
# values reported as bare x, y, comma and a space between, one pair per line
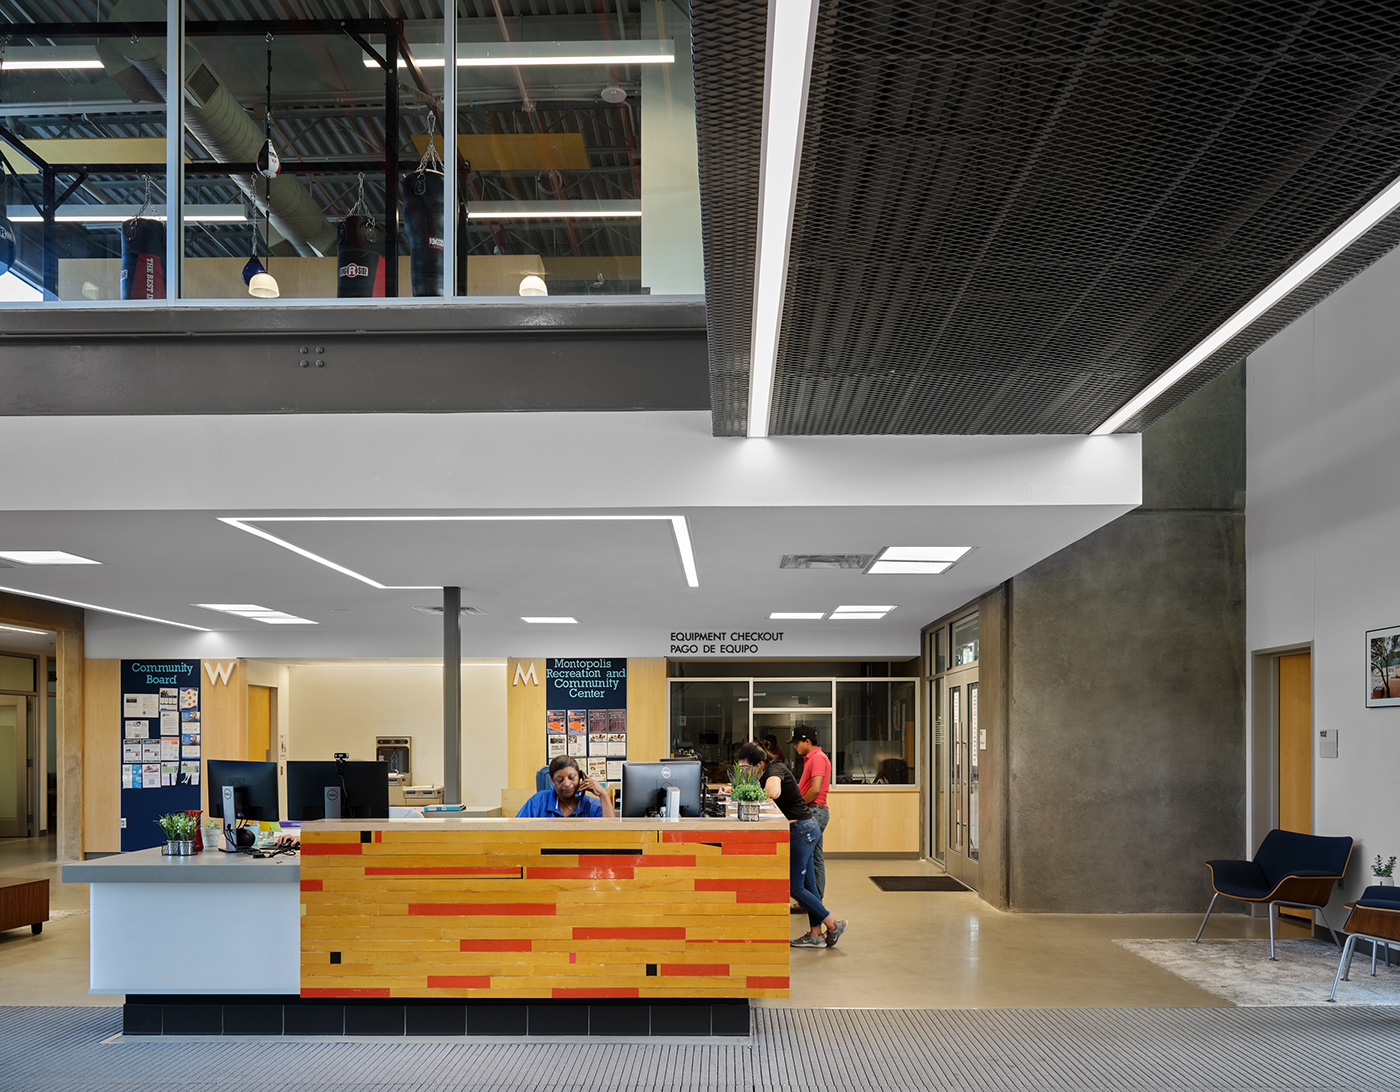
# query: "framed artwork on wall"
1383, 667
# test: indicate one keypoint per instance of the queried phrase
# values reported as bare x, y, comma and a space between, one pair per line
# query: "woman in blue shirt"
566, 799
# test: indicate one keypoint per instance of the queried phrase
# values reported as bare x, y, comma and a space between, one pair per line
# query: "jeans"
803, 838
822, 815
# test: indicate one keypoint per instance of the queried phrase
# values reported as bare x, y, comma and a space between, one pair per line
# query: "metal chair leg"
1343, 966
1374, 945
1205, 919
1335, 941
1271, 933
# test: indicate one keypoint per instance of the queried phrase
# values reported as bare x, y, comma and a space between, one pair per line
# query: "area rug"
1239, 971
918, 883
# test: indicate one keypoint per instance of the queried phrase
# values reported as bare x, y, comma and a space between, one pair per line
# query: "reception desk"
544, 908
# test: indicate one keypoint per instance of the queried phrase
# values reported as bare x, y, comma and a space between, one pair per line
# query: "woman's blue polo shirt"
545, 805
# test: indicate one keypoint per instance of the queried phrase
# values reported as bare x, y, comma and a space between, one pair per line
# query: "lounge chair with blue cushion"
1290, 869
1375, 917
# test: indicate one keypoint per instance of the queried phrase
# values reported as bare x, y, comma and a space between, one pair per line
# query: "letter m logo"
525, 673
218, 673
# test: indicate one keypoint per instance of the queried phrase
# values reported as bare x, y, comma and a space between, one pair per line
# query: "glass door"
960, 714
14, 773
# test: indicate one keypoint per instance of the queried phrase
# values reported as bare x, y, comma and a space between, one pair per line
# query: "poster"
160, 746
586, 713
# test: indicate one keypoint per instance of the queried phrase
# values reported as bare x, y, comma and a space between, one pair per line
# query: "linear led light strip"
1361, 222
679, 527
533, 54
792, 25
104, 610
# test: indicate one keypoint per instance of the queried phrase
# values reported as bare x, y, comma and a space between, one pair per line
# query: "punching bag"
422, 220
359, 263
143, 260
7, 244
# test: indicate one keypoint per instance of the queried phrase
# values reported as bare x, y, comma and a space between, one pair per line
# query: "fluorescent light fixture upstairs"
1367, 217
119, 214
45, 557
797, 616
50, 59
791, 27
536, 54
255, 613
581, 209
550, 621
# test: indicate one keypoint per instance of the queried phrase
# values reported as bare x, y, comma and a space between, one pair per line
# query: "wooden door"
14, 768
1295, 773
260, 724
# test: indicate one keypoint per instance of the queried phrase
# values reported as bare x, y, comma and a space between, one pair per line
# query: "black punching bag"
422, 219
143, 260
359, 263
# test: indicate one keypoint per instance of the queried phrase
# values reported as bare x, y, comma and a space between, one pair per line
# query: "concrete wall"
1126, 713
1324, 510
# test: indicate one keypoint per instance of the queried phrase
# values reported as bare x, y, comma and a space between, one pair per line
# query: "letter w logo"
525, 674
218, 673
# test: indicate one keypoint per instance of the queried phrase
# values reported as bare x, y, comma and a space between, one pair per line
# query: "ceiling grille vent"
825, 561
438, 610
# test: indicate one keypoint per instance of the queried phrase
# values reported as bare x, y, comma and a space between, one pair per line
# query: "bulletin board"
585, 705
161, 737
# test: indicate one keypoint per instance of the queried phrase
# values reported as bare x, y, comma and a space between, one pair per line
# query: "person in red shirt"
816, 779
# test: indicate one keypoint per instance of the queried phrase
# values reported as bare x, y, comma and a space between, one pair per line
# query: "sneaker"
794, 908
807, 940
833, 935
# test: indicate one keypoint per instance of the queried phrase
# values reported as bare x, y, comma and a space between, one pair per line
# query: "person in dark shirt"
781, 787
565, 798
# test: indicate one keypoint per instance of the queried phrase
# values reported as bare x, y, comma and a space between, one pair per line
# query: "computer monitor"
644, 786
252, 789
360, 790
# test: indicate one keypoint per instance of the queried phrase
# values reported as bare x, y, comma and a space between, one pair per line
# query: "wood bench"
24, 902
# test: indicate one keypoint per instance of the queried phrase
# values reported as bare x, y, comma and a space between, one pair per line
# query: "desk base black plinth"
279, 1015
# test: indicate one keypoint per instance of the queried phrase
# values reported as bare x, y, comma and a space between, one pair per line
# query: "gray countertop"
211, 866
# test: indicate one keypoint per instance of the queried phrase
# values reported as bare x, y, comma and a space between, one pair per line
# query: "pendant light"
261, 284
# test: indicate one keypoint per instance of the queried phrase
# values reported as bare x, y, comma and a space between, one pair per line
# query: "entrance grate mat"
918, 883
1002, 1050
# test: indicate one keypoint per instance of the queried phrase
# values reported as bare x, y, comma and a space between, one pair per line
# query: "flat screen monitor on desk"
359, 790
241, 790
644, 786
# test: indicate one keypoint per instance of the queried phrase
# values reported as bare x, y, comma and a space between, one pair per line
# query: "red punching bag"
143, 260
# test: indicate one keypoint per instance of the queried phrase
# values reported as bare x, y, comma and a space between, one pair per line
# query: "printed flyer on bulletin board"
586, 714
160, 746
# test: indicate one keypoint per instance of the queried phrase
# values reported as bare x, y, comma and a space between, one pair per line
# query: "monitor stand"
230, 812
332, 801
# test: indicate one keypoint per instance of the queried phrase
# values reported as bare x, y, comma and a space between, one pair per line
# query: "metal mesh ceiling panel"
1011, 217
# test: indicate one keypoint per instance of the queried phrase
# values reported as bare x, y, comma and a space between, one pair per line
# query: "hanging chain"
431, 159
146, 202
361, 205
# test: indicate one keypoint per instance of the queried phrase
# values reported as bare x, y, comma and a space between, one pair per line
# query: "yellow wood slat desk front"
506, 908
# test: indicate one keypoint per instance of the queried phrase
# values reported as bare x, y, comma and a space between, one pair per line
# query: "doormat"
918, 883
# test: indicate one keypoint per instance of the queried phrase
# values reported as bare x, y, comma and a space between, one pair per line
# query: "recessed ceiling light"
46, 557
924, 567
255, 613
856, 614
865, 609
104, 610
23, 629
797, 615
923, 553
551, 621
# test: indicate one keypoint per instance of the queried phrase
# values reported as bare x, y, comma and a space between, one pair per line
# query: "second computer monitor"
363, 789
644, 786
254, 787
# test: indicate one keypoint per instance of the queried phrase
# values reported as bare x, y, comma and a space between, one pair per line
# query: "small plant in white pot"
747, 793
1384, 871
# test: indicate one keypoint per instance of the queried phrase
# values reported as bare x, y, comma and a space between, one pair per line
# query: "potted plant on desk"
747, 793
179, 834
1384, 871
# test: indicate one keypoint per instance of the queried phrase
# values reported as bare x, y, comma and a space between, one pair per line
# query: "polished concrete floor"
945, 950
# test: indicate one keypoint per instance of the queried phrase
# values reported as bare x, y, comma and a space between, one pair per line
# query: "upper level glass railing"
511, 148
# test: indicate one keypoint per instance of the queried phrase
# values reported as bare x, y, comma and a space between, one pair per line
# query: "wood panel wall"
101, 756
224, 716
539, 908
872, 819
524, 723
647, 736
